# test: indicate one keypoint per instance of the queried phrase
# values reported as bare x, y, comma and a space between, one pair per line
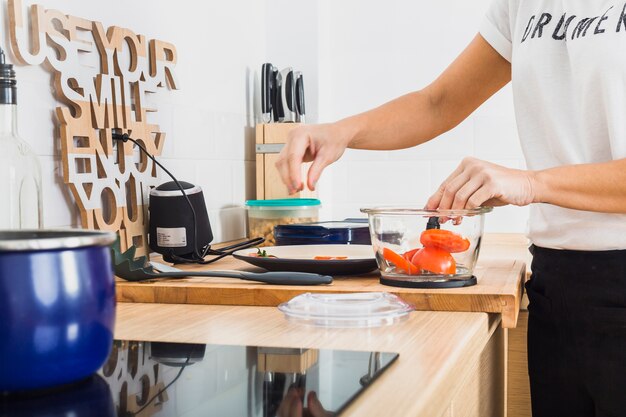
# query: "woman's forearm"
401, 123
599, 187
422, 115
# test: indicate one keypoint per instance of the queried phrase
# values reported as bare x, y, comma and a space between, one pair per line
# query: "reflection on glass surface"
170, 379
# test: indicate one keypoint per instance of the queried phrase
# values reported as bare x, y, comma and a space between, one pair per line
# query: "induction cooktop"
176, 379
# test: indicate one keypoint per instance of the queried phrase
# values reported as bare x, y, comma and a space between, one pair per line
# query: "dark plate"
299, 258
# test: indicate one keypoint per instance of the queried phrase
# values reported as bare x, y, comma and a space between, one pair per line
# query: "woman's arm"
590, 187
407, 121
599, 187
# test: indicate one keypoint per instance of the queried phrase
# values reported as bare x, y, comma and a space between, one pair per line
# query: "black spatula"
127, 267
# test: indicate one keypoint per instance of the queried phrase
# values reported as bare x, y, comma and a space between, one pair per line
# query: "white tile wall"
209, 122
356, 54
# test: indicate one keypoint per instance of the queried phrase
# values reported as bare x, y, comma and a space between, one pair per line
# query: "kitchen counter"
498, 249
501, 271
450, 364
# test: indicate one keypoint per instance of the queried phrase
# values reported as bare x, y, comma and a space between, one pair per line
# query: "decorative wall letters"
103, 77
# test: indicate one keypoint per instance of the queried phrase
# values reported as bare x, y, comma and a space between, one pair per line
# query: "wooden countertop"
501, 271
435, 348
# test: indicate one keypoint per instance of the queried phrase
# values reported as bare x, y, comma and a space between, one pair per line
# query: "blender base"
446, 283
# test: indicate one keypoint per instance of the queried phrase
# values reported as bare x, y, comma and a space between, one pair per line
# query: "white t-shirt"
569, 85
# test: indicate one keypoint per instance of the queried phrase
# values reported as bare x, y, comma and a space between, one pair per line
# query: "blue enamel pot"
57, 306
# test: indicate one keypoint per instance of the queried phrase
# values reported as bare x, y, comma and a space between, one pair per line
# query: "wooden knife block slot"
268, 182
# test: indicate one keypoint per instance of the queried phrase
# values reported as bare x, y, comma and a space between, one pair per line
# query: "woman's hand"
322, 144
291, 406
478, 183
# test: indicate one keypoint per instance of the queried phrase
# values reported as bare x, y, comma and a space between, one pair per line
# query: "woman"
567, 63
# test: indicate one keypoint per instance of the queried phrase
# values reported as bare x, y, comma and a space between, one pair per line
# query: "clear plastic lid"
370, 309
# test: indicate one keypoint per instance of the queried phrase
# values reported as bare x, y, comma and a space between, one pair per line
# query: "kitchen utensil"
398, 234
267, 86
287, 95
300, 107
131, 269
57, 306
300, 258
355, 232
371, 309
176, 230
263, 215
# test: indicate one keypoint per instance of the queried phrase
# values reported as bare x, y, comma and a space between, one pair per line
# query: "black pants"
577, 333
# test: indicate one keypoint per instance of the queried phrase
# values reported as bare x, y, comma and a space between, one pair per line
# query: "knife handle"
289, 89
300, 108
267, 74
279, 111
287, 99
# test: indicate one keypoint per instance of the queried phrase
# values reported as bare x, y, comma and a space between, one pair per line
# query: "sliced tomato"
434, 260
409, 254
444, 239
401, 264
330, 258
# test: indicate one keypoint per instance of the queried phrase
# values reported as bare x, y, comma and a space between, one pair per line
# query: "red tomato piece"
444, 239
409, 254
401, 264
434, 260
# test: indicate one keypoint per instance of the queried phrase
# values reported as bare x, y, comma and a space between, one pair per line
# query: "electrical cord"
197, 257
180, 372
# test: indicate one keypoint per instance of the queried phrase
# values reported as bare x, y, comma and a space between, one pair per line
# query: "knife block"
270, 138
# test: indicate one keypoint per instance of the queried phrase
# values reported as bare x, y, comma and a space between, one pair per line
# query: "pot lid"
346, 310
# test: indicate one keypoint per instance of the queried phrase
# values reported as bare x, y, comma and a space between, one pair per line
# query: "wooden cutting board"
499, 289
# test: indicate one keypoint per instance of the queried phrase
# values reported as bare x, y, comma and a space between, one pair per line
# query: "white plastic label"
171, 237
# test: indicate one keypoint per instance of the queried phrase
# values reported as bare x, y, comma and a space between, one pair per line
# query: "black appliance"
174, 232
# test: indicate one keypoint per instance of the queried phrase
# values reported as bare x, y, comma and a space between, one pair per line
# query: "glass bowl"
430, 246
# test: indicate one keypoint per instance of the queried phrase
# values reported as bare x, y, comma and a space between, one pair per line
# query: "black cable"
219, 254
197, 257
164, 388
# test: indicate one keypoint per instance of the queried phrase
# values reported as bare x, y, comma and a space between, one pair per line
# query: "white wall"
373, 51
209, 122
355, 54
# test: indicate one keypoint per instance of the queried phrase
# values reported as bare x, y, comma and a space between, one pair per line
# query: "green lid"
284, 202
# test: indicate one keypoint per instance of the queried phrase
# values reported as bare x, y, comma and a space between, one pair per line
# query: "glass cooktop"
172, 379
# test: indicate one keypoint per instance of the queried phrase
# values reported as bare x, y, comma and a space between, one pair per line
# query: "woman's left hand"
478, 183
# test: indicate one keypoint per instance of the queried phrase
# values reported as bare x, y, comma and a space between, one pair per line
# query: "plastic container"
350, 310
347, 232
452, 251
264, 215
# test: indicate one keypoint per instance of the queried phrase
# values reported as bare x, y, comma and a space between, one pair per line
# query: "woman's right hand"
321, 144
